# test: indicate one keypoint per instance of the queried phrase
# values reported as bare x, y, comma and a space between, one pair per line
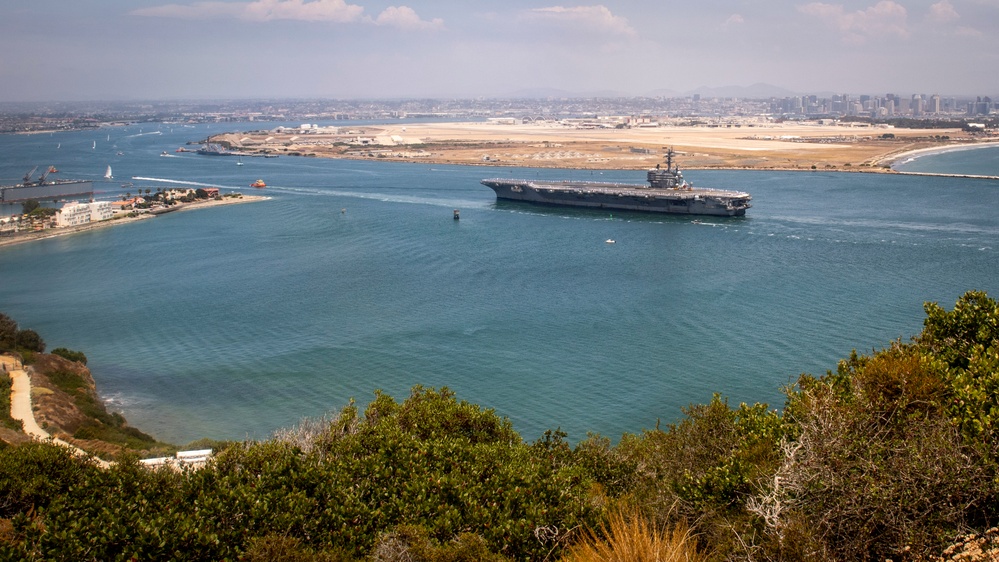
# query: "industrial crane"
27, 177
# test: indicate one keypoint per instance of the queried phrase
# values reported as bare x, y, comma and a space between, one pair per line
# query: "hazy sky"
164, 49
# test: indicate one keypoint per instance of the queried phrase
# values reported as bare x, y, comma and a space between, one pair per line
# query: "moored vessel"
667, 192
42, 188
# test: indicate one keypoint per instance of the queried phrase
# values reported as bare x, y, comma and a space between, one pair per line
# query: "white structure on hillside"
195, 459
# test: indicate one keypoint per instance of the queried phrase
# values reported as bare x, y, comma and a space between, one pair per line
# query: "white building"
101, 211
74, 213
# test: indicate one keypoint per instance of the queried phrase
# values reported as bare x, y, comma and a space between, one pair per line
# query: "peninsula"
9, 235
731, 143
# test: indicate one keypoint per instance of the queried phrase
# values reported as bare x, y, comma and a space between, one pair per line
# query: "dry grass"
630, 537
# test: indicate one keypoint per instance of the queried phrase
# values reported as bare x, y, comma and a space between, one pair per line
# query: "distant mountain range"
758, 90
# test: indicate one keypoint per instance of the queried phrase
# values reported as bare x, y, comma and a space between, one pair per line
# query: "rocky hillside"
66, 404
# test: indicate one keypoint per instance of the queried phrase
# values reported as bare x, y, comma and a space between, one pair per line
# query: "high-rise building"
935, 107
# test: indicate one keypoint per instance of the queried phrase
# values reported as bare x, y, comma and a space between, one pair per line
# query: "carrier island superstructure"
667, 192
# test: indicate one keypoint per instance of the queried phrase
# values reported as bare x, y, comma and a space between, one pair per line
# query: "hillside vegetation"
892, 456
65, 399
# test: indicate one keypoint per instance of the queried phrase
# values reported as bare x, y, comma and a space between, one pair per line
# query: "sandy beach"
8, 239
745, 144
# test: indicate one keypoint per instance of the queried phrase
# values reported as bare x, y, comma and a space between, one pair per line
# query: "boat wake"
385, 198
143, 134
165, 180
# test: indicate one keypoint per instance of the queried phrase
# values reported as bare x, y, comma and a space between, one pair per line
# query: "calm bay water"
984, 160
234, 321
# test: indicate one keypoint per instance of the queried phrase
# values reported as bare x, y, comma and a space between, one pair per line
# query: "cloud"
337, 11
302, 10
733, 20
886, 18
969, 32
198, 10
593, 18
942, 12
404, 17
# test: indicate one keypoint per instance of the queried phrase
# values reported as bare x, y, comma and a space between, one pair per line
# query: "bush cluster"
5, 418
71, 355
13, 339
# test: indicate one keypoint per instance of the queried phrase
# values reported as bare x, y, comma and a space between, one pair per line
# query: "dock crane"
27, 177
45, 174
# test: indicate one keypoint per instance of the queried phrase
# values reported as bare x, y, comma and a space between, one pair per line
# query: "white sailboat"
94, 145
107, 174
239, 160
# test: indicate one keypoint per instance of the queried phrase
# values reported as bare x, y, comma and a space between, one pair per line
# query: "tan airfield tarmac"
734, 144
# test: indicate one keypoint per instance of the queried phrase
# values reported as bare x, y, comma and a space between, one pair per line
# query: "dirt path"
20, 407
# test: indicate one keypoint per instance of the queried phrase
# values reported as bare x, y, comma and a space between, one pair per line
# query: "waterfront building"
100, 211
75, 213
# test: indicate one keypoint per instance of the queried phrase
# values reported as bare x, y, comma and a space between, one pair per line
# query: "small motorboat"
258, 183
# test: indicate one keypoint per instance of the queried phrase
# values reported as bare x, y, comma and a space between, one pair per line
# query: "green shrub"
71, 355
29, 340
877, 469
5, 390
67, 381
34, 475
966, 340
411, 543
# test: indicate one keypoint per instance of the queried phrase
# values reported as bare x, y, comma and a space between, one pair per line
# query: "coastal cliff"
65, 403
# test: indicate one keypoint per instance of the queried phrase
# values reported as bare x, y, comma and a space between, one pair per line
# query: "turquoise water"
234, 321
979, 161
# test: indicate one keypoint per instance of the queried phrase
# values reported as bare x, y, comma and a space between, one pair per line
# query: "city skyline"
162, 49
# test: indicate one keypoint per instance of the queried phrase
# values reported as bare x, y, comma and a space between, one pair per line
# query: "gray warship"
667, 192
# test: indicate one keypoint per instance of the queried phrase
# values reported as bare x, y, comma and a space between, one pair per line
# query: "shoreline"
920, 152
22, 237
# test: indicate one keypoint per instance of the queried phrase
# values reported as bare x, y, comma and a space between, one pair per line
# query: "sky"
70, 50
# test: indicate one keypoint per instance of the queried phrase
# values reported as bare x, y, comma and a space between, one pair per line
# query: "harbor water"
234, 321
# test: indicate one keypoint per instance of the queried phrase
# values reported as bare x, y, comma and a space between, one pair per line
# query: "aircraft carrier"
667, 192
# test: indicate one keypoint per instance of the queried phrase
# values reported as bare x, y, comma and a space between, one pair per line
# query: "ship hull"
623, 197
54, 190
